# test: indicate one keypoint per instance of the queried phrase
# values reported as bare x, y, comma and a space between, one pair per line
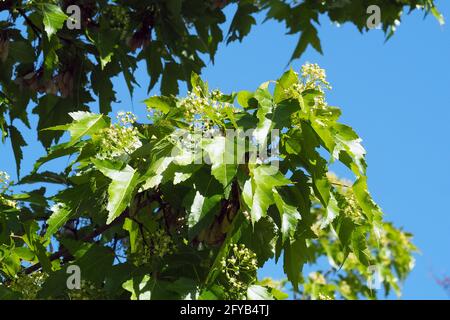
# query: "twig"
38, 30
35, 28
64, 252
340, 184
89, 237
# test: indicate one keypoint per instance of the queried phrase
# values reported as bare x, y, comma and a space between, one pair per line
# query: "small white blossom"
121, 139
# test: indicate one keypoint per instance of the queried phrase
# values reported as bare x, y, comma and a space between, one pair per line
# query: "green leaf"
332, 211
186, 288
169, 81
289, 217
85, 123
43, 258
314, 163
54, 285
242, 21
279, 295
140, 288
154, 174
244, 99
22, 51
61, 214
121, 188
202, 212
258, 192
199, 87
265, 105
133, 229
344, 227
163, 104
51, 59
180, 177
233, 235
95, 263
33, 240
8, 294
295, 256
153, 61
256, 292
47, 177
103, 87
346, 140
359, 246
49, 110
53, 18
10, 262
281, 116
105, 41
55, 152
291, 141
308, 37
128, 66
253, 235
18, 142
364, 199
439, 17
221, 154
288, 79
24, 253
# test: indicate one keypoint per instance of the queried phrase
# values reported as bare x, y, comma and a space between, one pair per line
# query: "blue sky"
397, 97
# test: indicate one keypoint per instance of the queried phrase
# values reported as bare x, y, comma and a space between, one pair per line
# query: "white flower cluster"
88, 291
126, 118
121, 139
4, 181
158, 244
162, 244
205, 113
28, 284
239, 268
4, 186
314, 77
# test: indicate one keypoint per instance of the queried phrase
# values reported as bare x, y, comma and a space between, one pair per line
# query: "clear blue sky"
395, 94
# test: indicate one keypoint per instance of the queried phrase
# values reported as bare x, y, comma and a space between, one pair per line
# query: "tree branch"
340, 184
63, 252
38, 30
35, 28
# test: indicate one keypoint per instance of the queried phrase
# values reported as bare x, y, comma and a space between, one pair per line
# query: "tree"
182, 206
157, 209
61, 55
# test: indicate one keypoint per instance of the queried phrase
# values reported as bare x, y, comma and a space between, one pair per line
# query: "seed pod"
4, 49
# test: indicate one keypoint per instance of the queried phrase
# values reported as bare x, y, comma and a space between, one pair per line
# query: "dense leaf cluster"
172, 217
54, 69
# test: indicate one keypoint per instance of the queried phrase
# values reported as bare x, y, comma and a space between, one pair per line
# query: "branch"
340, 184
38, 30
63, 252
35, 28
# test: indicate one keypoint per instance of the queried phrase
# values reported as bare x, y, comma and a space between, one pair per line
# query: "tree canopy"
192, 201
55, 57
167, 209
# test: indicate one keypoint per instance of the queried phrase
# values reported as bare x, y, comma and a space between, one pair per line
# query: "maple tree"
143, 221
160, 210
